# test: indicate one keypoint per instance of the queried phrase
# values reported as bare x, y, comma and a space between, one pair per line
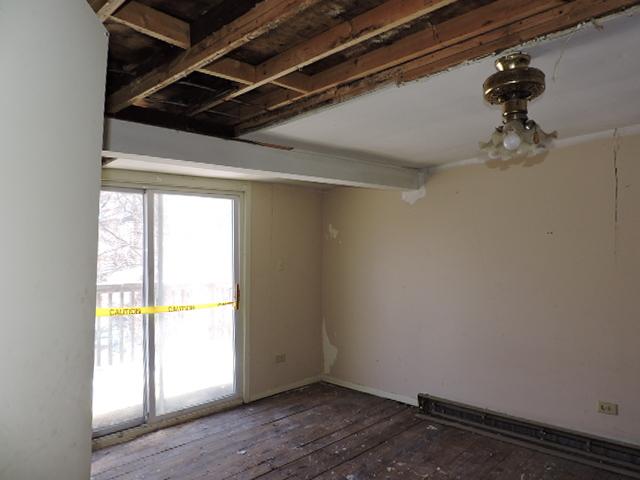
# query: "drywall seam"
286, 388
371, 391
616, 190
568, 38
329, 351
616, 148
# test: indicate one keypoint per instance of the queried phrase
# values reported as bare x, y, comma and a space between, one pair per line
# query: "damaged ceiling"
592, 87
232, 67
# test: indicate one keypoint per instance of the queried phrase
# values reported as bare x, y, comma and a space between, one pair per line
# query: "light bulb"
511, 141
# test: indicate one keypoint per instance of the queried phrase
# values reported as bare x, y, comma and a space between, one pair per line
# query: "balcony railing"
120, 339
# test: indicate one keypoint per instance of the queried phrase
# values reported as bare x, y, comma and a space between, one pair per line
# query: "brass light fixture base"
513, 85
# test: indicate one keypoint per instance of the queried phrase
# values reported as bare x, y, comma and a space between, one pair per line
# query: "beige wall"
285, 305
514, 290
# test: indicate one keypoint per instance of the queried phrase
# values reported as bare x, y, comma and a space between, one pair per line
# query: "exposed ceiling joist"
124, 140
231, 69
371, 70
554, 20
372, 23
318, 54
476, 22
240, 72
220, 14
449, 112
296, 81
105, 8
451, 32
265, 16
156, 24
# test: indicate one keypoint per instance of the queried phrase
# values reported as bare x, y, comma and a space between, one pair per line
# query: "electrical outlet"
281, 358
608, 408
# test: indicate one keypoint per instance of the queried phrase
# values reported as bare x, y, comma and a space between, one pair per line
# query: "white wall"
53, 56
514, 290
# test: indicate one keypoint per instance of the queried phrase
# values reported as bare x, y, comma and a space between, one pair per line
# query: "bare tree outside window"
119, 341
120, 227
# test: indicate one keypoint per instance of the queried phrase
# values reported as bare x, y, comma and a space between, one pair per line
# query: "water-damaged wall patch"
412, 196
333, 232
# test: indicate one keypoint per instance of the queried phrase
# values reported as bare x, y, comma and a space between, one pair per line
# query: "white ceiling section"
593, 85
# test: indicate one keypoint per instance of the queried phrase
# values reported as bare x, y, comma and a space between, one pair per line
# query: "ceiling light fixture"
512, 86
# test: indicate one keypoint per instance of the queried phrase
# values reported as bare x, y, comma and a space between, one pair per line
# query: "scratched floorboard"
326, 432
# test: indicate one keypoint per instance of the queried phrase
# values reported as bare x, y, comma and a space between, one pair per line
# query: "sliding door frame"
151, 296
149, 319
152, 183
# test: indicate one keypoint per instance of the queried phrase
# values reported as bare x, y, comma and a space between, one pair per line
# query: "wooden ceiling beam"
264, 17
154, 23
243, 73
555, 20
371, 23
296, 81
241, 110
105, 8
176, 32
236, 112
474, 23
450, 32
508, 36
231, 69
222, 13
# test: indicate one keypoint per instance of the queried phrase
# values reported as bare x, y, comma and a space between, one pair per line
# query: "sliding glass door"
178, 254
194, 264
119, 355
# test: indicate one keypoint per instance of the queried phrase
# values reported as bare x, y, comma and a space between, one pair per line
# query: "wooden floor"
327, 432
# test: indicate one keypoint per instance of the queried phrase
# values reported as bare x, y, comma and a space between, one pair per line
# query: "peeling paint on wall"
412, 196
329, 351
333, 232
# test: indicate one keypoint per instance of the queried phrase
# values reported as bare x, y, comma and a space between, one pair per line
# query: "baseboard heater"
594, 451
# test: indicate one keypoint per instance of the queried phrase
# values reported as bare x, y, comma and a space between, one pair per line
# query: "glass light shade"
517, 139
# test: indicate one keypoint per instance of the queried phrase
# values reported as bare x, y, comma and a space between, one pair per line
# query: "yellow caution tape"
122, 311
